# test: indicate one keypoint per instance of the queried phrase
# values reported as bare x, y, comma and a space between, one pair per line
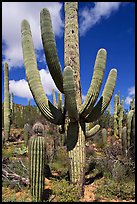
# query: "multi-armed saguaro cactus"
7, 113
36, 162
68, 84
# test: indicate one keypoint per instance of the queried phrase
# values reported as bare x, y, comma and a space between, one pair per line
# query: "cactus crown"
38, 128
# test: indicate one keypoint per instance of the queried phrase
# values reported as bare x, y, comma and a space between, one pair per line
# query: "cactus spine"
7, 113
68, 84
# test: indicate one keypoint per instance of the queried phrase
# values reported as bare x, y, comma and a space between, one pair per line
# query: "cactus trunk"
75, 134
76, 153
6, 103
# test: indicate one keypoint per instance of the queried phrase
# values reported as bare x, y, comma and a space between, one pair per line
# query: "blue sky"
109, 25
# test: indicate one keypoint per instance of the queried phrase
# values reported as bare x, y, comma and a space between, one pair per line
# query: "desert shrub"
64, 191
113, 163
60, 162
112, 189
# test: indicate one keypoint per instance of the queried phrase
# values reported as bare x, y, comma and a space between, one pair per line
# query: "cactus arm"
92, 131
70, 94
49, 111
96, 83
49, 45
102, 104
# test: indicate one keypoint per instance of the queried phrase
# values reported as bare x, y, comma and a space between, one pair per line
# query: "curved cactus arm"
70, 93
102, 104
92, 131
96, 83
49, 111
49, 45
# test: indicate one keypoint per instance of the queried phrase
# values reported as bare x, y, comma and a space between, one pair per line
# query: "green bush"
64, 191
112, 189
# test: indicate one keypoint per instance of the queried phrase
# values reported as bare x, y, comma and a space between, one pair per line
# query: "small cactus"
104, 136
36, 164
27, 130
124, 141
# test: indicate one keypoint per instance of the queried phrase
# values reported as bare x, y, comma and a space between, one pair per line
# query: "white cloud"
21, 88
83, 97
131, 92
91, 16
12, 15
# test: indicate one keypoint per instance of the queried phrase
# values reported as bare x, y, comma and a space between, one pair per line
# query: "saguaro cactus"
115, 116
68, 84
104, 136
131, 132
7, 112
36, 159
36, 162
26, 132
124, 141
12, 107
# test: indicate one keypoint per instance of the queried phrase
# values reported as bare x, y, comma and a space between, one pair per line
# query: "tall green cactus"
115, 116
124, 141
36, 159
130, 131
7, 112
68, 84
36, 162
26, 133
12, 107
118, 115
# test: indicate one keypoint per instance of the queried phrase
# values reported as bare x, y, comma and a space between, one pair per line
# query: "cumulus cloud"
12, 15
131, 92
91, 16
46, 80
